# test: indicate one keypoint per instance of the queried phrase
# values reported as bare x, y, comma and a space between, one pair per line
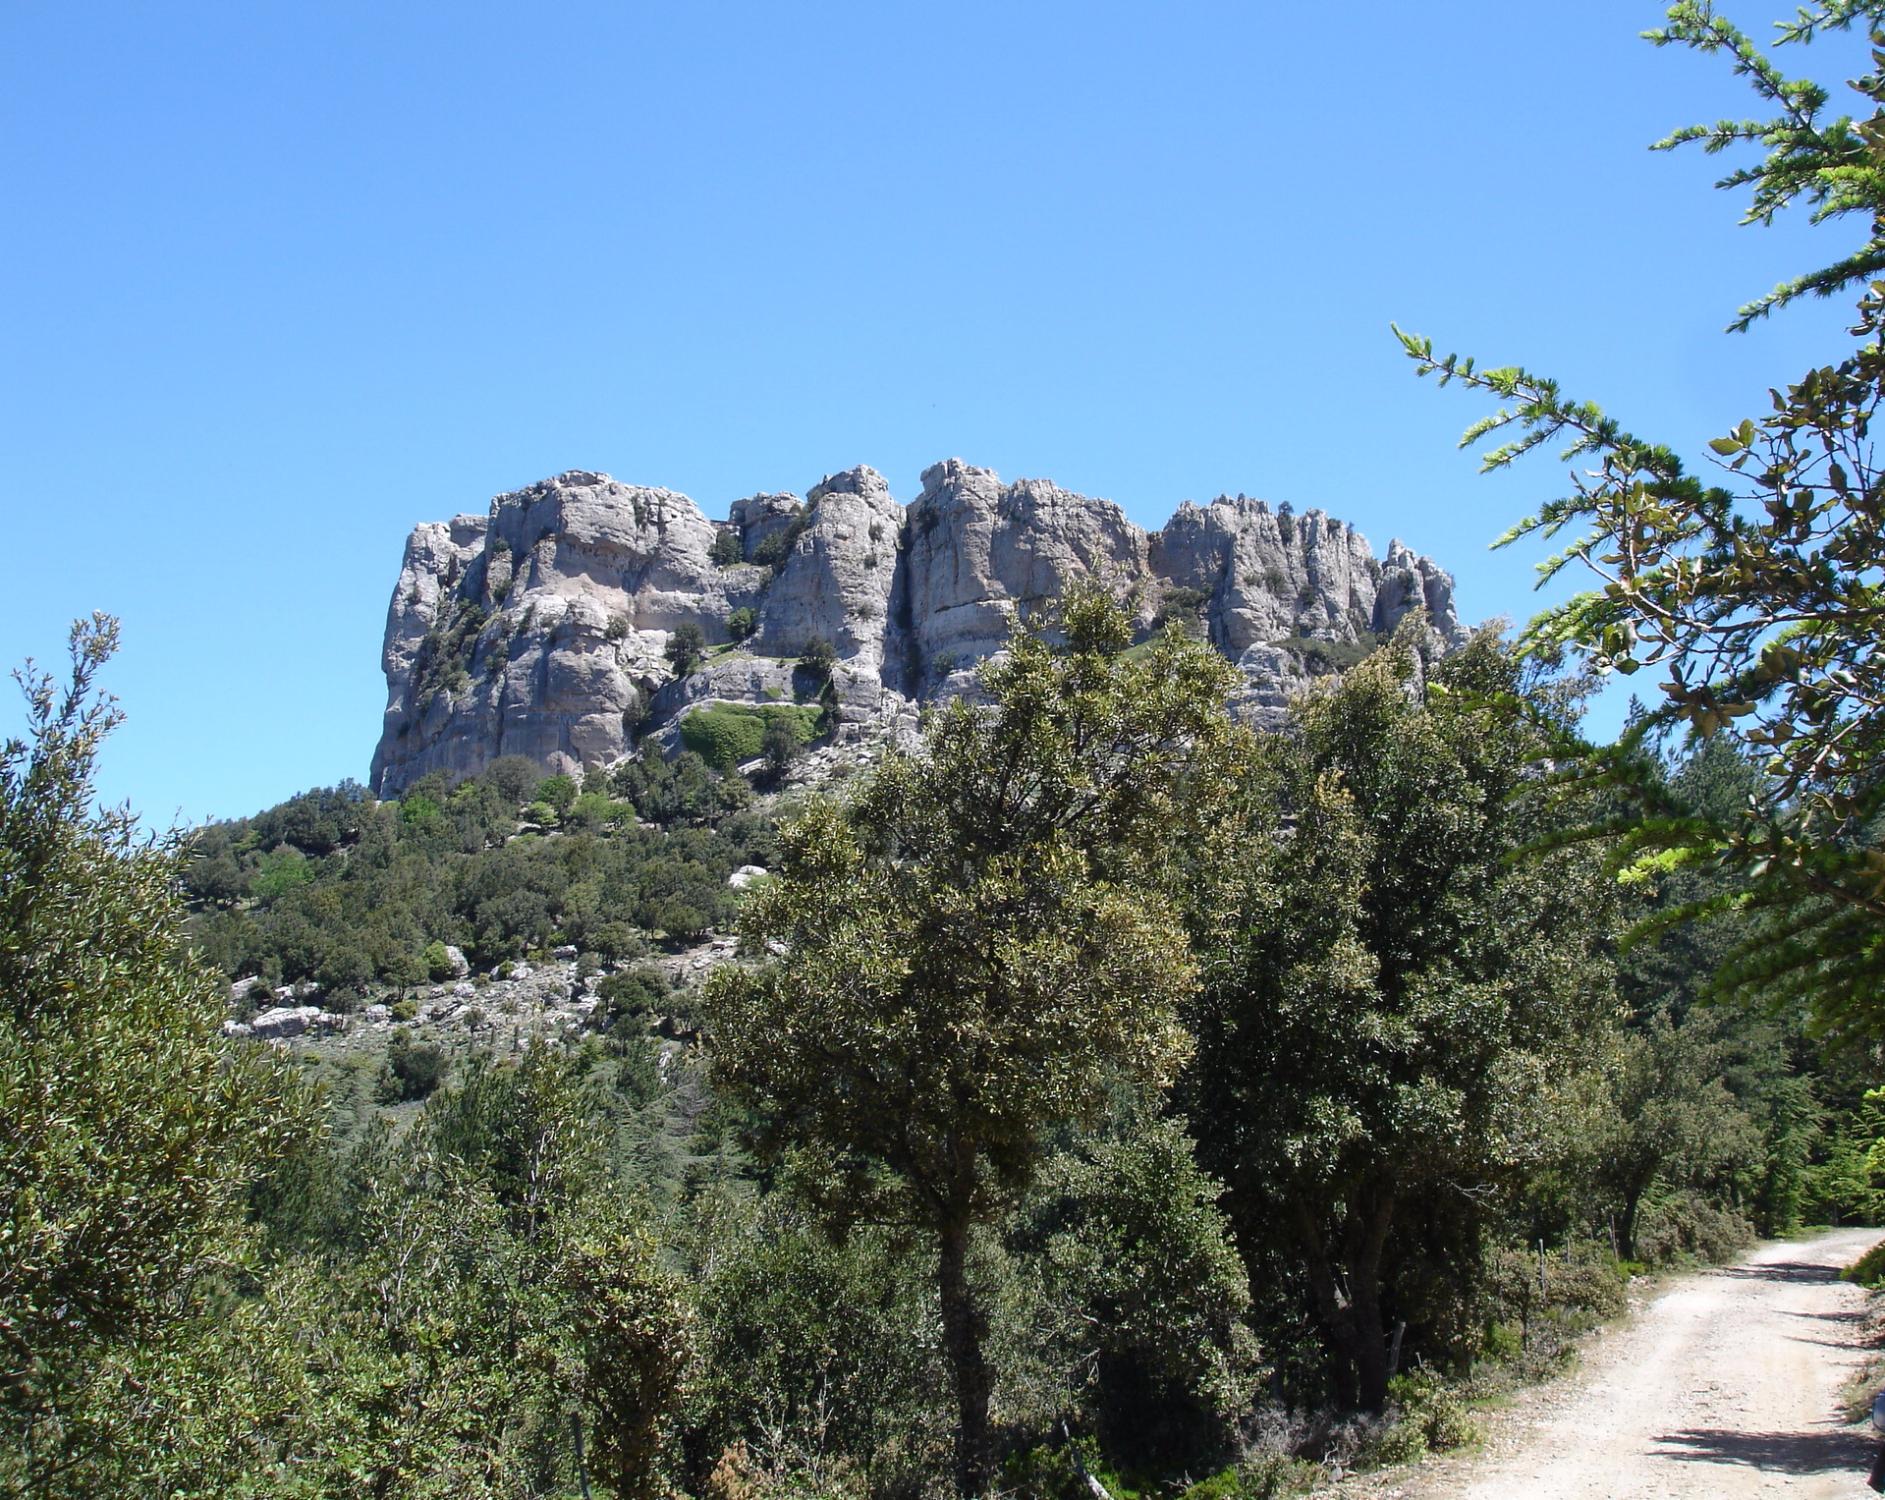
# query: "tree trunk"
964, 1327
1626, 1231
1364, 1272
1369, 1338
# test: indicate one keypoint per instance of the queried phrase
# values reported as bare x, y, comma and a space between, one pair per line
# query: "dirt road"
1725, 1385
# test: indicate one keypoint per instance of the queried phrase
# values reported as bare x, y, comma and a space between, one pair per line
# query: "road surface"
1727, 1384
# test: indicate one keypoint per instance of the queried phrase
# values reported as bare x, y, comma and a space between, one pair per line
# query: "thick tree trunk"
964, 1327
1370, 1350
1348, 1303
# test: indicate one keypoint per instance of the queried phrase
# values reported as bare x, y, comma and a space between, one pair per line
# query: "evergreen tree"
1752, 591
965, 954
1391, 1000
133, 1135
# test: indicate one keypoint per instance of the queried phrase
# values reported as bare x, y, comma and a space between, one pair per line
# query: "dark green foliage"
974, 948
634, 995
818, 658
686, 648
725, 550
371, 911
780, 744
1393, 995
438, 963
775, 549
684, 790
1869, 1268
1143, 1267
742, 623
832, 1347
413, 1069
559, 791
446, 652
512, 777
132, 1133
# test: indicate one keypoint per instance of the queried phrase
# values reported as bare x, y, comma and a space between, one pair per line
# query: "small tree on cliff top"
967, 951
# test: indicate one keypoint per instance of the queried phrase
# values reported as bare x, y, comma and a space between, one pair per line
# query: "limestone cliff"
540, 628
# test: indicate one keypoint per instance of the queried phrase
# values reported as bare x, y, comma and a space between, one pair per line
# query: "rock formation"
540, 629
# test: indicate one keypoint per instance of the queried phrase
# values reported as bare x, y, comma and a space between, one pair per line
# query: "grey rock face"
540, 629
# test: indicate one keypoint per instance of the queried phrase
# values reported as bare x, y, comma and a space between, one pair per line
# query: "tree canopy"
965, 953
1753, 583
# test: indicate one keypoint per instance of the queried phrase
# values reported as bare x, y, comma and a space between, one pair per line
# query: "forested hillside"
1146, 1083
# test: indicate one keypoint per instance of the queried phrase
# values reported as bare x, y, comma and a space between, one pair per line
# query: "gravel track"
1726, 1384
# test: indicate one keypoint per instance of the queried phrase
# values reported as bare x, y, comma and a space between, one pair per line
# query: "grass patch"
725, 734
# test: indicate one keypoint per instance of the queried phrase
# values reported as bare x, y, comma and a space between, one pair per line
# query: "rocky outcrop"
542, 628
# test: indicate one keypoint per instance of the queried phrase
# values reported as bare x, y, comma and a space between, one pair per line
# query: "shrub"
818, 658
726, 550
726, 734
1321, 658
780, 744
438, 963
686, 649
1687, 1224
682, 921
617, 628
742, 623
771, 551
1402, 1442
617, 939
1869, 1269
632, 995
1427, 1403
513, 776
559, 791
280, 872
413, 1069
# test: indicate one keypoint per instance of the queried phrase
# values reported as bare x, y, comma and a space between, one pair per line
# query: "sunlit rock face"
541, 628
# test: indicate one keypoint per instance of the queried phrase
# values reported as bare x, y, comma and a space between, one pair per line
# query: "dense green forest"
1141, 1082
1097, 1088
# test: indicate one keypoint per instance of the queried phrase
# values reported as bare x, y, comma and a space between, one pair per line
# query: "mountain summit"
543, 628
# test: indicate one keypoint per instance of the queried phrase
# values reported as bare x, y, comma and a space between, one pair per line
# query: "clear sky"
284, 280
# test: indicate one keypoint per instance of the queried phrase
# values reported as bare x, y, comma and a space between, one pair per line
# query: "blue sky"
287, 280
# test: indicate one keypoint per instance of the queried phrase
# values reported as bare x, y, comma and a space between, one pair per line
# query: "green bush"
438, 963
742, 623
1267, 1476
1320, 658
413, 1069
726, 734
632, 995
1686, 1224
1869, 1268
1427, 1403
1403, 1442
818, 658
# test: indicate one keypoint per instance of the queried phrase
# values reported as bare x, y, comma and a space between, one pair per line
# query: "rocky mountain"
540, 628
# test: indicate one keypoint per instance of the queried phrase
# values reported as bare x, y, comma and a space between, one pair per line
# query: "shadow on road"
1779, 1270
1773, 1452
